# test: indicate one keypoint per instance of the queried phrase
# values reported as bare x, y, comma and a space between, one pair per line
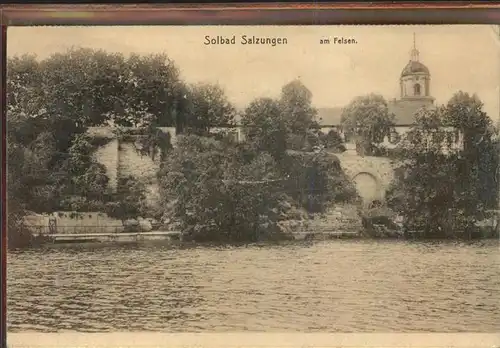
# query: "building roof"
404, 113
329, 116
414, 67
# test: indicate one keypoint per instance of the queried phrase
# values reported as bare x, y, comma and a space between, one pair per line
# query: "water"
336, 286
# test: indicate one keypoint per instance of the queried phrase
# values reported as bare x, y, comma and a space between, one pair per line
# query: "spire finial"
414, 52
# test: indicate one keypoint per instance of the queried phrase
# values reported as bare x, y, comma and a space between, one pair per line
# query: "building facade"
415, 94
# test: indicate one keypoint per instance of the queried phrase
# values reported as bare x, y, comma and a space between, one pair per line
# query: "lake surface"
335, 286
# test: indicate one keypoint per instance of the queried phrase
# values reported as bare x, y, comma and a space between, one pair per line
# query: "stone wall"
71, 222
107, 155
122, 159
341, 220
380, 169
142, 167
131, 162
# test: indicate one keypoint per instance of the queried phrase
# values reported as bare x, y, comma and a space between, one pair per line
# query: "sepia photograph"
273, 179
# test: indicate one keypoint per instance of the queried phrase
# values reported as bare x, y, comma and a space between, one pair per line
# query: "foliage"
28, 187
296, 106
29, 173
306, 142
316, 181
129, 200
207, 106
297, 142
368, 121
82, 183
480, 148
94, 87
265, 127
332, 141
152, 86
155, 141
218, 193
150, 140
227, 135
30, 183
438, 189
24, 82
52, 102
80, 84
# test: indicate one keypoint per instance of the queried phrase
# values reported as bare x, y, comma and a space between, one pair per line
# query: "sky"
465, 57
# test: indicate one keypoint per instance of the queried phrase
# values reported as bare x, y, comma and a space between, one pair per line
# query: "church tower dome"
415, 79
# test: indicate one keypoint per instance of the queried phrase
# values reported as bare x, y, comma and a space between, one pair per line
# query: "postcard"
253, 186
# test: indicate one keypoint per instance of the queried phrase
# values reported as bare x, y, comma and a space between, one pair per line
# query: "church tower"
415, 80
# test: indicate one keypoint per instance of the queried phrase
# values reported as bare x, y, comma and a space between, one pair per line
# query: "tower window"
416, 89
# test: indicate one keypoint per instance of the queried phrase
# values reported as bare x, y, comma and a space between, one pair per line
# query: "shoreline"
310, 238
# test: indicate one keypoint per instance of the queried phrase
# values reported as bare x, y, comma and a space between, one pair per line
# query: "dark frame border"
254, 14
340, 13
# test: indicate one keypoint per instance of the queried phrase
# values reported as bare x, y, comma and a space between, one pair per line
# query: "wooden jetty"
165, 236
323, 235
111, 237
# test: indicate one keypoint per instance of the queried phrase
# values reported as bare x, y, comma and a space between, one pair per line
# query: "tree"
265, 127
151, 85
24, 86
368, 121
465, 113
52, 102
333, 141
440, 190
82, 84
296, 105
217, 194
68, 92
82, 182
93, 87
316, 181
425, 193
207, 106
28, 179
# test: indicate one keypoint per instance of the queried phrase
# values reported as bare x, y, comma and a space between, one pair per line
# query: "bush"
129, 202
219, 193
297, 143
332, 141
442, 194
18, 236
316, 181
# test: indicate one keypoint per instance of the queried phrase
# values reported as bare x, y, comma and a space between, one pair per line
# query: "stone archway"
368, 187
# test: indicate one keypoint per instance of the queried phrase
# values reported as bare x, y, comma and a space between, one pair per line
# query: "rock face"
382, 223
340, 221
343, 218
145, 225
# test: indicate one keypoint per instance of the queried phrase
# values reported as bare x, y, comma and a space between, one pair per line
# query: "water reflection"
348, 286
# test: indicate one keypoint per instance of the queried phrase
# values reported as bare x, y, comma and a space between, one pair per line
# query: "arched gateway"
370, 175
368, 187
